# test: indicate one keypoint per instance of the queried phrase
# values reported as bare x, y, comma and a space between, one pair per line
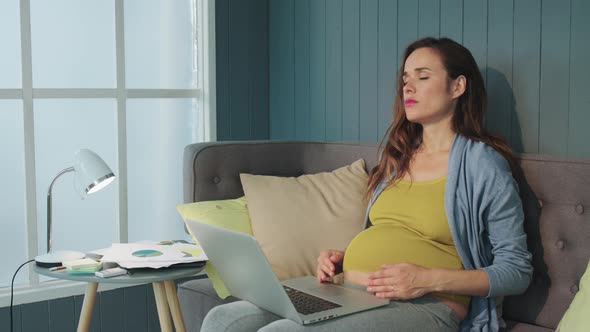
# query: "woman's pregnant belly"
394, 243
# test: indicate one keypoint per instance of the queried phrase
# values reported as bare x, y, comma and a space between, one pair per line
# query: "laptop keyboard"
308, 304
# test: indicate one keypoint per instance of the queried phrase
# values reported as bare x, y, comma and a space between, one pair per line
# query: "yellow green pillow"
576, 317
231, 214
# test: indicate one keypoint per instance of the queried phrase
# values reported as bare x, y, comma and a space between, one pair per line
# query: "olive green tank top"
409, 225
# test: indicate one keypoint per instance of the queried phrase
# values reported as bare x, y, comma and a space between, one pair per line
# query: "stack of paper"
82, 266
152, 254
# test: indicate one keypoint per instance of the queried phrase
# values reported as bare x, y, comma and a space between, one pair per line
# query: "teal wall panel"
350, 70
428, 18
222, 70
281, 64
407, 23
5, 318
95, 319
532, 55
451, 19
499, 67
301, 70
258, 70
242, 61
60, 314
369, 69
35, 317
112, 315
555, 77
579, 97
526, 75
131, 309
135, 308
152, 317
334, 70
388, 65
240, 16
475, 31
317, 72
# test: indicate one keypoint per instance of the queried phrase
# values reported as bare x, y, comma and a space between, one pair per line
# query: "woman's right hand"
329, 264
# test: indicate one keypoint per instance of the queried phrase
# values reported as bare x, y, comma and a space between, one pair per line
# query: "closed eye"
424, 78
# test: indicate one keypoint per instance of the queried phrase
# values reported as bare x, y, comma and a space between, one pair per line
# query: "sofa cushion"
555, 201
291, 217
231, 214
576, 317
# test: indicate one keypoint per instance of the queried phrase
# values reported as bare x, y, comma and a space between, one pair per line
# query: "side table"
161, 279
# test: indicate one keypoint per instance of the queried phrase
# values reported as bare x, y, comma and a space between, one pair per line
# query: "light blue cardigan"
485, 217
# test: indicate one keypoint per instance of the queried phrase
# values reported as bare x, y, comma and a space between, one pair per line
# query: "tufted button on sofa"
554, 194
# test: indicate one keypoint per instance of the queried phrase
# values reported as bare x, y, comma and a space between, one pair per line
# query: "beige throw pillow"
294, 218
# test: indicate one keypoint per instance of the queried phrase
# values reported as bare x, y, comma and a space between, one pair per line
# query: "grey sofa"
556, 194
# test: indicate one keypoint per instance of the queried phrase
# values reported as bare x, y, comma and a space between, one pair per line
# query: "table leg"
174, 305
87, 305
162, 305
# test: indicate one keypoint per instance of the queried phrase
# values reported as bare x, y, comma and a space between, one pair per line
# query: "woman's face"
428, 93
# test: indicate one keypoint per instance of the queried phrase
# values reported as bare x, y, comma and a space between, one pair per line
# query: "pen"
57, 268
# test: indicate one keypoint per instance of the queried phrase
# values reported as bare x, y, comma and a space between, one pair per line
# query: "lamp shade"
92, 173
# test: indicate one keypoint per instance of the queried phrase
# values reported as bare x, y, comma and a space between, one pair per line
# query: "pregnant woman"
443, 237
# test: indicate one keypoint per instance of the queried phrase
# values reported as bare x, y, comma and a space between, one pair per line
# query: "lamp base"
55, 258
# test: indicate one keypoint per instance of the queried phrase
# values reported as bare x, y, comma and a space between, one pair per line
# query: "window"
132, 80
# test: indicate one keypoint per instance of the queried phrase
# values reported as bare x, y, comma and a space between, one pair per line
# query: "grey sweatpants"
422, 314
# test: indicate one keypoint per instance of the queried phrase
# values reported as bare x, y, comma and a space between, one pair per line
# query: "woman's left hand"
401, 281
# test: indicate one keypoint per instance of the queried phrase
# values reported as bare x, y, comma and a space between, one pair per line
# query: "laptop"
247, 274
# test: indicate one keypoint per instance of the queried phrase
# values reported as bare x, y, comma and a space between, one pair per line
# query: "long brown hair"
403, 137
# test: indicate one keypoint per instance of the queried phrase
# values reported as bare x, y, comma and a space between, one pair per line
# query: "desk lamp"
93, 174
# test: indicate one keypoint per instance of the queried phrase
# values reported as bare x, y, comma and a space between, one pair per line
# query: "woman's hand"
329, 264
402, 281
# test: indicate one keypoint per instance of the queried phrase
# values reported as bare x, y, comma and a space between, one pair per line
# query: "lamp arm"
69, 169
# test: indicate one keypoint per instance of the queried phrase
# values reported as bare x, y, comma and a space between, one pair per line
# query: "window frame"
204, 93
